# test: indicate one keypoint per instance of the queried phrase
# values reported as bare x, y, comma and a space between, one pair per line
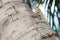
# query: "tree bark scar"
15, 10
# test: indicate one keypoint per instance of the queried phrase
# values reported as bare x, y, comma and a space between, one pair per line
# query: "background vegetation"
53, 14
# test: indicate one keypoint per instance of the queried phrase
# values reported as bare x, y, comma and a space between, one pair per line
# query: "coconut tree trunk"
18, 22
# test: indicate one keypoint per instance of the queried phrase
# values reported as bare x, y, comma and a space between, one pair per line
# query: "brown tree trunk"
18, 22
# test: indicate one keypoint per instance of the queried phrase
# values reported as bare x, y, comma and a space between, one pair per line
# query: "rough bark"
18, 22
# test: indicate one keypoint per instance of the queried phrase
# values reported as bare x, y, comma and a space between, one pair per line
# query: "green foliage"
28, 2
39, 1
51, 15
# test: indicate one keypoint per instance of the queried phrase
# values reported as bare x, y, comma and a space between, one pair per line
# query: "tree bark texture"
18, 22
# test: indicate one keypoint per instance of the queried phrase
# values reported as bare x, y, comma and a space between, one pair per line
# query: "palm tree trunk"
18, 22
